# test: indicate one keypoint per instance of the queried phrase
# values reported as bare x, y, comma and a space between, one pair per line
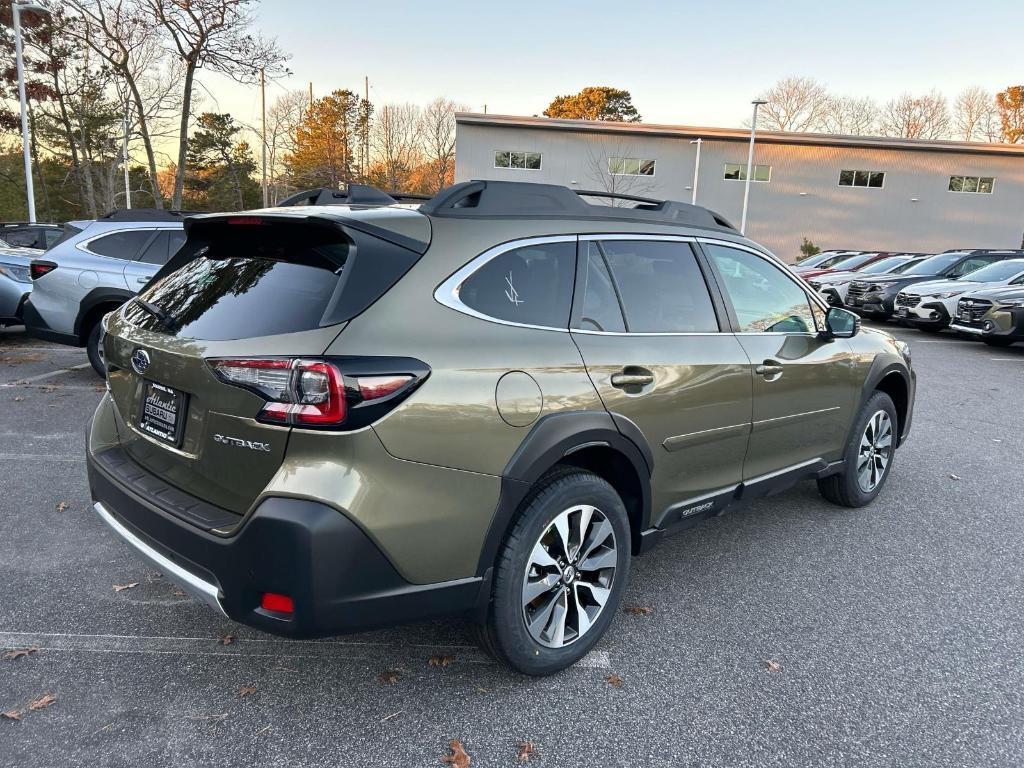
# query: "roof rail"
353, 194
493, 199
146, 214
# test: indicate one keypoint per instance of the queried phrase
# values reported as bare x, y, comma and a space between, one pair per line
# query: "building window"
630, 166
738, 172
981, 185
875, 179
523, 161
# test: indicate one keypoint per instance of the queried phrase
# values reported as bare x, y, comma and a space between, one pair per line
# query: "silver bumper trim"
966, 329
189, 582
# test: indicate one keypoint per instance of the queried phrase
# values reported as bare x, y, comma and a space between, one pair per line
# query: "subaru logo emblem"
140, 361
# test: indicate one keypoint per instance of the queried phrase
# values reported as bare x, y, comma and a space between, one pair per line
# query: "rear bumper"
338, 578
37, 327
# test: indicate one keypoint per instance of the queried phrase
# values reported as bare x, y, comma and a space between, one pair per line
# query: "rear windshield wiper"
161, 316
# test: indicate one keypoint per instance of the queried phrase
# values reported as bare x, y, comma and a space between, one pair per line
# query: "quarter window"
763, 297
121, 245
738, 172
522, 161
874, 179
981, 185
601, 310
658, 285
630, 166
531, 285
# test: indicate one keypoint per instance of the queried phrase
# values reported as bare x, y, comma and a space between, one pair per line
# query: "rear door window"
121, 245
530, 285
661, 287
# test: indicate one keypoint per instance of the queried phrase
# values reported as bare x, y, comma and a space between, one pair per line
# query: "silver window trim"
82, 245
447, 293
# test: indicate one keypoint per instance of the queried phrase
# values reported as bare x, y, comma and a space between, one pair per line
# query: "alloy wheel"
875, 451
569, 576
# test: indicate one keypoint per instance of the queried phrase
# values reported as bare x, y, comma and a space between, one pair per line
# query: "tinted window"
884, 265
23, 238
934, 264
121, 245
51, 236
244, 297
763, 296
1001, 270
969, 265
601, 310
156, 251
662, 288
531, 285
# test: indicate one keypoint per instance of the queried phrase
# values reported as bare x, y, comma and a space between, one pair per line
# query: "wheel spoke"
534, 589
599, 593
542, 617
602, 558
541, 557
562, 527
582, 526
558, 618
597, 535
582, 617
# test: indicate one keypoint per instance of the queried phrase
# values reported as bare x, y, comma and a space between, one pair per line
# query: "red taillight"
278, 603
39, 268
321, 394
376, 387
245, 221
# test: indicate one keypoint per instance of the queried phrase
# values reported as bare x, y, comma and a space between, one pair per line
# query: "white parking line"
1008, 359
414, 653
38, 457
44, 376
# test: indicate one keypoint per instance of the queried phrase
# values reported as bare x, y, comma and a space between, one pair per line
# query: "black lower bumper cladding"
338, 578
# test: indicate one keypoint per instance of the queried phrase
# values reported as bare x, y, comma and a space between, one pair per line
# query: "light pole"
696, 170
750, 165
17, 6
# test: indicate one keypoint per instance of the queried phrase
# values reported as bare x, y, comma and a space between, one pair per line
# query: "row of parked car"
977, 292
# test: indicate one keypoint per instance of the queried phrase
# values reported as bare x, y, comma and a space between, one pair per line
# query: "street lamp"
17, 6
750, 165
696, 170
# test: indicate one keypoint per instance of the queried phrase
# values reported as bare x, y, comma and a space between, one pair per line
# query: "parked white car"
835, 285
929, 306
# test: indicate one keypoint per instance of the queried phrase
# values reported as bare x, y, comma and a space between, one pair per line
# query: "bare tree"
794, 104
122, 33
975, 116
437, 131
215, 35
283, 118
396, 142
608, 172
851, 116
917, 117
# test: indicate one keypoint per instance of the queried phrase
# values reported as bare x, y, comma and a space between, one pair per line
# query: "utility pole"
311, 94
263, 135
366, 128
696, 170
750, 165
124, 153
17, 6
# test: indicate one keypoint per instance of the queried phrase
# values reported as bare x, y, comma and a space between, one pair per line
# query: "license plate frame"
902, 312
162, 412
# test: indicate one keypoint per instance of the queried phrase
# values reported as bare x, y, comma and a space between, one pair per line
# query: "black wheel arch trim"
880, 369
98, 297
552, 438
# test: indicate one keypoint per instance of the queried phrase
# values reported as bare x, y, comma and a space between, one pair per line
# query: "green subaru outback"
325, 418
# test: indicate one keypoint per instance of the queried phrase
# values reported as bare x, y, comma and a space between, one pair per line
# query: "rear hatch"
257, 294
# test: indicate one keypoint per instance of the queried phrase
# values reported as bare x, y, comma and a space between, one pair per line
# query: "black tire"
504, 634
931, 328
996, 341
92, 349
844, 488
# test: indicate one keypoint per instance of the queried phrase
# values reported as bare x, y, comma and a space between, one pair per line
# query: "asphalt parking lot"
787, 633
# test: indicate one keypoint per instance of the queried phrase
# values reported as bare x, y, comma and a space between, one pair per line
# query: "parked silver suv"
94, 268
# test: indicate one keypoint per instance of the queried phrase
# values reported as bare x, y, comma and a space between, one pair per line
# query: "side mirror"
841, 323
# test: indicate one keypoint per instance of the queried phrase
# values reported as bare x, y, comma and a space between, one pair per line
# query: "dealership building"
850, 192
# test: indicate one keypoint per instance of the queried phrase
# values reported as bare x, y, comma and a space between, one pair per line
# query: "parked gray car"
15, 282
93, 269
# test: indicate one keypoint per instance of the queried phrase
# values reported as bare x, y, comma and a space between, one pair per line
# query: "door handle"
770, 369
144, 280
640, 378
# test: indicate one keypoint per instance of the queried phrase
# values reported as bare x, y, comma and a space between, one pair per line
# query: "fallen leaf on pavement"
954, 477
42, 702
439, 661
246, 690
123, 587
63, 506
226, 640
638, 610
526, 750
773, 666
614, 680
11, 714
17, 653
18, 399
458, 757
390, 676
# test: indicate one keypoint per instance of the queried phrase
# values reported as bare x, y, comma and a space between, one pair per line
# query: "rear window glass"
244, 297
531, 285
